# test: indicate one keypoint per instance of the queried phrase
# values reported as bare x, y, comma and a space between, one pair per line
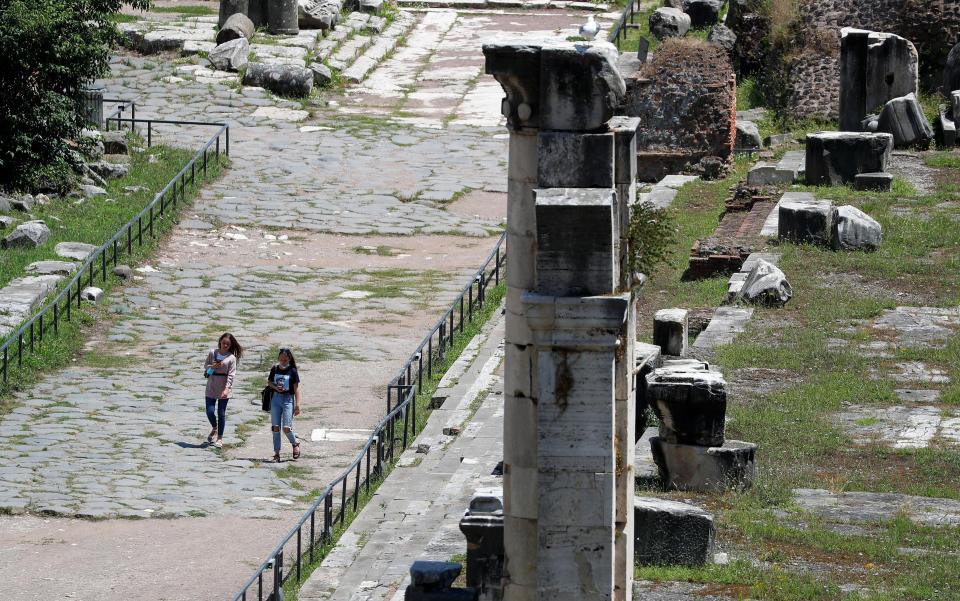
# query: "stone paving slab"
416, 511
869, 507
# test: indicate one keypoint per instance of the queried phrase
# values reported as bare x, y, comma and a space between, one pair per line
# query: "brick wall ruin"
814, 82
686, 100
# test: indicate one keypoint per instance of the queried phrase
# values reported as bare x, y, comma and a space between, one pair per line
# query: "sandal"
212, 435
296, 451
219, 443
276, 457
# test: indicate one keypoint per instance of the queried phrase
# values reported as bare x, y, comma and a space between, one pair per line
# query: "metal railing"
31, 334
397, 429
117, 114
619, 33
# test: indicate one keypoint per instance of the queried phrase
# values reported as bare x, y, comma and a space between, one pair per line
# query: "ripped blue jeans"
281, 415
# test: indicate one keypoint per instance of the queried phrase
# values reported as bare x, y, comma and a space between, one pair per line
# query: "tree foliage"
49, 51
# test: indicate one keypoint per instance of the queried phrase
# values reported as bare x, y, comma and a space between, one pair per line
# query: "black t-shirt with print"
285, 379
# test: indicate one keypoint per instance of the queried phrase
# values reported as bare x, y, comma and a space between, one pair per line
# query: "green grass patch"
93, 221
192, 10
948, 160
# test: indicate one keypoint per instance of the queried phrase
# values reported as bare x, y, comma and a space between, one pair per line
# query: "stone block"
27, 235
670, 331
945, 128
951, 72
748, 136
876, 68
669, 22
767, 174
321, 74
575, 563
671, 533
904, 118
434, 574
835, 158
231, 55
115, 142
624, 148
52, 267
690, 401
805, 220
703, 13
705, 469
576, 242
580, 86
23, 203
74, 250
92, 294
229, 8
575, 160
877, 182
723, 36
283, 17
855, 230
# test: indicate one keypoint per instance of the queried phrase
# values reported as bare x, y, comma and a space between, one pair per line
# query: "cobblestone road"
342, 235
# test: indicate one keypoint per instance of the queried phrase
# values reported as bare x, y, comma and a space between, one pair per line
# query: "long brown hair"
235, 347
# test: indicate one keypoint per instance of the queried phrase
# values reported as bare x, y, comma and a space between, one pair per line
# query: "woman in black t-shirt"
285, 403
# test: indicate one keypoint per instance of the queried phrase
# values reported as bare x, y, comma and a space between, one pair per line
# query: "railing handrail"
619, 30
99, 253
497, 256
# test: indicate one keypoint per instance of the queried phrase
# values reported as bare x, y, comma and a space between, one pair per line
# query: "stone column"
559, 97
853, 79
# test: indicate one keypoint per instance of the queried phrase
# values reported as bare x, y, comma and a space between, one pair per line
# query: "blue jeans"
218, 418
281, 414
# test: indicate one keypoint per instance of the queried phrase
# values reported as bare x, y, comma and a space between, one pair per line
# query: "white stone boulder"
855, 230
766, 284
670, 331
748, 136
92, 294
669, 23
27, 235
230, 56
904, 118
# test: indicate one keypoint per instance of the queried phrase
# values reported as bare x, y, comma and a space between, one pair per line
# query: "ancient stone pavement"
342, 235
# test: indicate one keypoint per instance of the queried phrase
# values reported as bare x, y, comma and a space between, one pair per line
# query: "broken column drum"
557, 94
282, 17
690, 401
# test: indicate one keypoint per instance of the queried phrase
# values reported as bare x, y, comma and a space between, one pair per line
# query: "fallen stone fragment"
705, 469
671, 533
91, 191
748, 136
951, 72
322, 75
6, 222
123, 272
238, 25
109, 169
669, 23
875, 182
319, 14
23, 203
904, 118
74, 250
115, 142
690, 401
855, 230
724, 37
434, 574
805, 220
230, 56
766, 284
702, 12
945, 129
285, 80
835, 158
27, 235
52, 267
670, 331
91, 293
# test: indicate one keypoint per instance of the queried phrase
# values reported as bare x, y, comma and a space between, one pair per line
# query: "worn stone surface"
672, 533
874, 69
698, 468
20, 297
868, 507
74, 250
765, 284
27, 235
748, 136
805, 220
670, 331
52, 267
723, 36
835, 158
855, 230
286, 80
904, 118
877, 182
690, 401
669, 23
230, 56
702, 12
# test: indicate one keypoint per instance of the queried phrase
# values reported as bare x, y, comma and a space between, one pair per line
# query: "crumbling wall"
814, 80
686, 100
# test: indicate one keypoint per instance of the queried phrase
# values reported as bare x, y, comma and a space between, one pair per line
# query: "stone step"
21, 296
384, 45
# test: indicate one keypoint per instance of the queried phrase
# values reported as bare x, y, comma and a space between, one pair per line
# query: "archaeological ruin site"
603, 300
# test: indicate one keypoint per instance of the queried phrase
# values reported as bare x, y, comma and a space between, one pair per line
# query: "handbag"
265, 395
